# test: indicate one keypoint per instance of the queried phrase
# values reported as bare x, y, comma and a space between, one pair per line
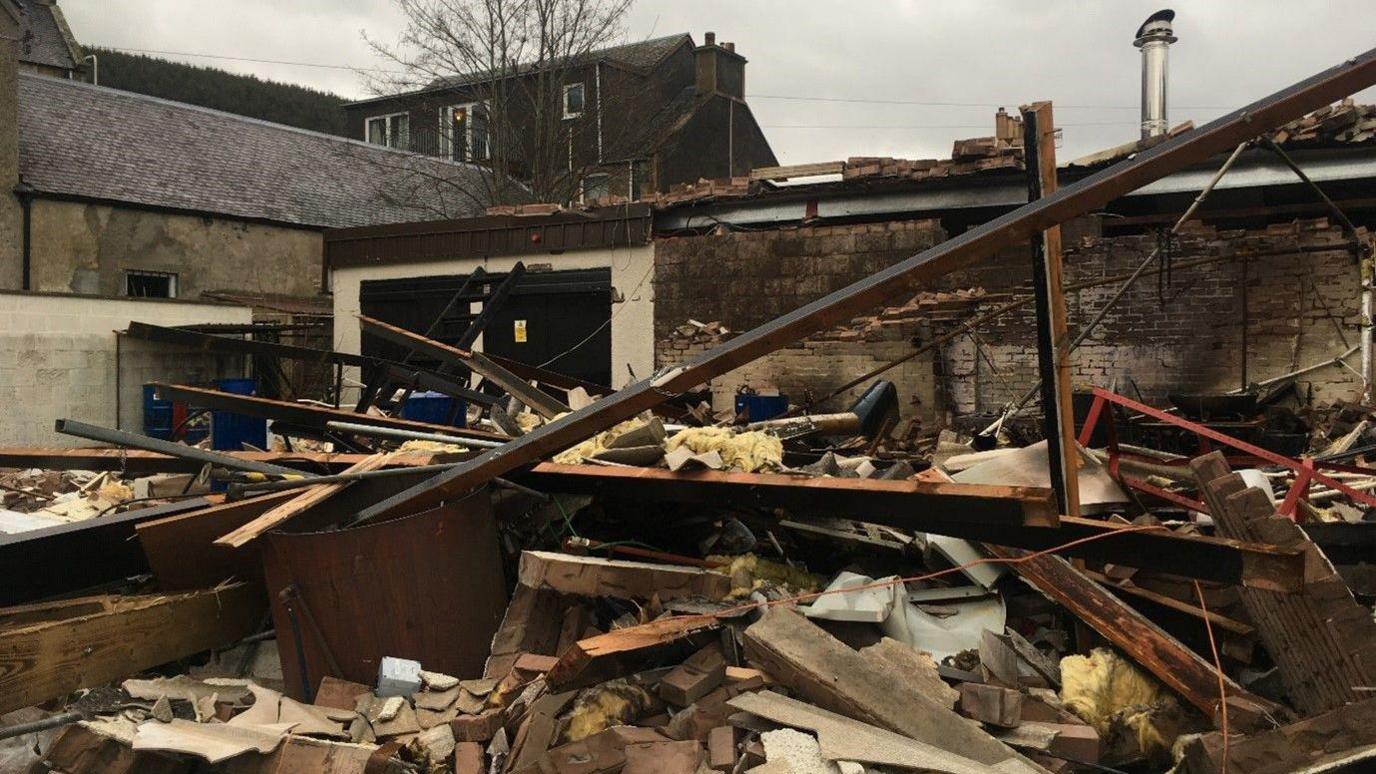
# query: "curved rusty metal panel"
427, 587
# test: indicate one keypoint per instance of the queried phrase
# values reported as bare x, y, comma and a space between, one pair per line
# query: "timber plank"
830, 675
45, 660
299, 503
1175, 665
591, 576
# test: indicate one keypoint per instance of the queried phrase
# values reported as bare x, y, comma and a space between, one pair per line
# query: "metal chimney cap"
1156, 27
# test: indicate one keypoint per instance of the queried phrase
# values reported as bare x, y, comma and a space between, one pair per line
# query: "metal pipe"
1154, 39
137, 441
238, 490
391, 433
1306, 369
1363, 256
1089, 327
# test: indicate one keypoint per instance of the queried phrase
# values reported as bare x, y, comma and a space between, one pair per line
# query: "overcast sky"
950, 62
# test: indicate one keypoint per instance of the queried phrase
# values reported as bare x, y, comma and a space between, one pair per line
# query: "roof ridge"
246, 119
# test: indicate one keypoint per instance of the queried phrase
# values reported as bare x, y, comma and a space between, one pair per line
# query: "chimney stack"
719, 69
1154, 37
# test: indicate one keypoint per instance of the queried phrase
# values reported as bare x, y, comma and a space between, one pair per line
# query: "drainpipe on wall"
731, 139
597, 81
25, 194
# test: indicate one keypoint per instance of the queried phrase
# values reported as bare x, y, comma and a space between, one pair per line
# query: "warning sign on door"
520, 331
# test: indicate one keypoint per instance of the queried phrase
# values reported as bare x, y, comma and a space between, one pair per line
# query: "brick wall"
1185, 332
744, 279
813, 368
59, 358
1299, 283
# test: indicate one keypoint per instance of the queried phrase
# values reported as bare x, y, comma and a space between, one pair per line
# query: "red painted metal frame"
1307, 471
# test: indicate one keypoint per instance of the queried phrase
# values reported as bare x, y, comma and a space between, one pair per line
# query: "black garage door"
558, 319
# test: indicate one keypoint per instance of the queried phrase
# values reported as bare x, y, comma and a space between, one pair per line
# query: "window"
394, 131
573, 100
465, 132
150, 284
596, 187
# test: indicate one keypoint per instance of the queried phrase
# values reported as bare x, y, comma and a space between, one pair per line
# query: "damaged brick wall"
747, 278
1181, 334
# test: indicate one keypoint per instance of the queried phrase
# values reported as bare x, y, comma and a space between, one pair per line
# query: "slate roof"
44, 37
99, 143
659, 127
641, 55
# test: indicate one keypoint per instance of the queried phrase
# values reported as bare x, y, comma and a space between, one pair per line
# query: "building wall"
747, 278
81, 247
721, 139
1182, 335
1186, 332
633, 306
814, 368
11, 215
60, 358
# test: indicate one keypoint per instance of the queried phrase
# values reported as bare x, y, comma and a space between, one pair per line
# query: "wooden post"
1053, 345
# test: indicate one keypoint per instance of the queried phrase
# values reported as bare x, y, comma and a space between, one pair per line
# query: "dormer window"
465, 132
393, 130
573, 100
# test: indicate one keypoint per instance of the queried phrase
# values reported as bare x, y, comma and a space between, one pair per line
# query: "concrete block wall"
747, 278
60, 358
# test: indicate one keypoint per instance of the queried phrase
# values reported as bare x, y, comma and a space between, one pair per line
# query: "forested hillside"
246, 95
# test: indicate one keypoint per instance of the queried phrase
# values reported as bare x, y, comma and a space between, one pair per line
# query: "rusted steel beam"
1018, 517
1078, 198
1053, 345
898, 503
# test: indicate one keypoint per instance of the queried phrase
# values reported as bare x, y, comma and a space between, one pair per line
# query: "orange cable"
1218, 668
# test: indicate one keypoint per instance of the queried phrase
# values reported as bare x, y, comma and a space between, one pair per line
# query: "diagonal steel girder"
1095, 191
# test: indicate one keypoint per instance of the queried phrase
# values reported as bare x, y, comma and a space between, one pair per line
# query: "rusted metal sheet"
1094, 191
427, 587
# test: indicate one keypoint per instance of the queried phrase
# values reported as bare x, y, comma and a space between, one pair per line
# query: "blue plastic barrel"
757, 408
230, 431
434, 407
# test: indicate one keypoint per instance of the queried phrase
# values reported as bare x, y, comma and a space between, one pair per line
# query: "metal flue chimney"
1154, 38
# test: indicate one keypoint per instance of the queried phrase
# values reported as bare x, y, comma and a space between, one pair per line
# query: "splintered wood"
307, 498
1322, 640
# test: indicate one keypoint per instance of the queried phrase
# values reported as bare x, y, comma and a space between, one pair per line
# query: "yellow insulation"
1131, 711
749, 572
750, 452
614, 703
594, 444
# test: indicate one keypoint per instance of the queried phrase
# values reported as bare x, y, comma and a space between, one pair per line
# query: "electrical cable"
1218, 668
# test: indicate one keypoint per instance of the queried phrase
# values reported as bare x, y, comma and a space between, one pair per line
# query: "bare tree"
492, 74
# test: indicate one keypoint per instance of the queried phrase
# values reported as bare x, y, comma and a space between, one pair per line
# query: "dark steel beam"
514, 385
212, 343
139, 462
1090, 193
491, 306
301, 414
138, 441
43, 563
